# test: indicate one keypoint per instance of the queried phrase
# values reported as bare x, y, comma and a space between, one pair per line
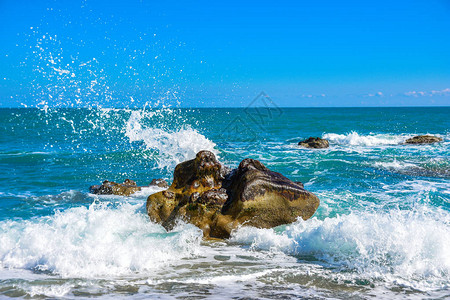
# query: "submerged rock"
314, 142
217, 199
423, 139
127, 188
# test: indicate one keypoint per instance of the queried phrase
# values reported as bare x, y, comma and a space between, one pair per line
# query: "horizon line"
223, 107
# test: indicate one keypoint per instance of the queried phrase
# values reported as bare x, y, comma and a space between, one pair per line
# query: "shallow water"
382, 229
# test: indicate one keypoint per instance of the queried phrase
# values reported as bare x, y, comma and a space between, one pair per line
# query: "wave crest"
355, 139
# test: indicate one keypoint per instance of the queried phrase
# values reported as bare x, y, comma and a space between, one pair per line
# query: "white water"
407, 247
355, 139
172, 145
100, 240
395, 165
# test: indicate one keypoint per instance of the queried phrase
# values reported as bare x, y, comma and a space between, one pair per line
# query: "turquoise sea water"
382, 229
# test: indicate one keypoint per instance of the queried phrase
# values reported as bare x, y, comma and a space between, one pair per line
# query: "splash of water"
171, 145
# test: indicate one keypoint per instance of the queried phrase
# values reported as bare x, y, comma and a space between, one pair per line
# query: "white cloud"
428, 93
415, 93
312, 96
377, 94
441, 92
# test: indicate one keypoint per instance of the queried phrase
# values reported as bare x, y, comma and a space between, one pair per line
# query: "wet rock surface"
160, 182
314, 142
127, 188
217, 199
423, 139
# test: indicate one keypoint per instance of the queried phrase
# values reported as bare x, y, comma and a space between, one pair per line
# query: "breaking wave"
408, 247
355, 139
100, 240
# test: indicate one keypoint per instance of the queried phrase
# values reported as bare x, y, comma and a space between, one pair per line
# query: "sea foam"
395, 165
103, 239
408, 247
355, 139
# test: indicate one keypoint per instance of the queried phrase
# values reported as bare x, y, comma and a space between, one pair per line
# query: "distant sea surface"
382, 229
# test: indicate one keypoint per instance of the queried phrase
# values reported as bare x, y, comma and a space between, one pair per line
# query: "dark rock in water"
127, 188
129, 182
217, 199
160, 182
423, 139
314, 142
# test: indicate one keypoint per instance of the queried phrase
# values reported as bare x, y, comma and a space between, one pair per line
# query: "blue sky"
301, 53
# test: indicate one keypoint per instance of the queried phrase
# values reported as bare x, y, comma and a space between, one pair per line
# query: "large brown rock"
423, 139
217, 200
314, 142
262, 198
195, 195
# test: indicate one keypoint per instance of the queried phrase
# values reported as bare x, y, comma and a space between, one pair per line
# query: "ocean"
382, 229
